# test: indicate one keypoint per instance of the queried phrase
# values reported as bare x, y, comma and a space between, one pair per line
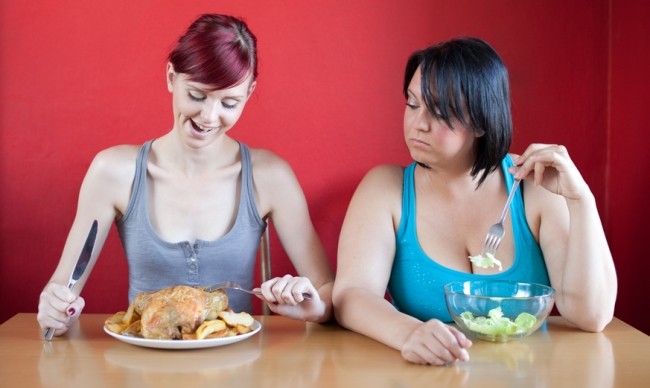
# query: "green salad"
496, 324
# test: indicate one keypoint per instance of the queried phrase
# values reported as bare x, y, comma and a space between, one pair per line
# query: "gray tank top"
155, 264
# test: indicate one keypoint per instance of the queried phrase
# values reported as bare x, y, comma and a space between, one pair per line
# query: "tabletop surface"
289, 353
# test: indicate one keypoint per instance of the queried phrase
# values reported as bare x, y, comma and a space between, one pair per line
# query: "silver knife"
80, 267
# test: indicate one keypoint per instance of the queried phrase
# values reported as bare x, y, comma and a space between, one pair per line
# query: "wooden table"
288, 353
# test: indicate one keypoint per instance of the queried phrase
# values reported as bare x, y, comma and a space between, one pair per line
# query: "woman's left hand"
284, 296
553, 169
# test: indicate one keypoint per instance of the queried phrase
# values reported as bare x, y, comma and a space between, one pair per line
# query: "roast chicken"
174, 311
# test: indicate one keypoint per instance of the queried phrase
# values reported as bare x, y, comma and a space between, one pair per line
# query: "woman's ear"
170, 74
251, 87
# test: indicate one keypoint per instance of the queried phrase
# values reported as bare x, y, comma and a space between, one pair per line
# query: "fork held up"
496, 232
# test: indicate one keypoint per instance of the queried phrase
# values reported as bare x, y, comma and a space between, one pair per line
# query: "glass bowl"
498, 311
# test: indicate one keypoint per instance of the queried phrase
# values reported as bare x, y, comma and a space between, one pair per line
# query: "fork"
496, 232
236, 286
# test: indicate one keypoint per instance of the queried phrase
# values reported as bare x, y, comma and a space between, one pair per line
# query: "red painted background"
77, 77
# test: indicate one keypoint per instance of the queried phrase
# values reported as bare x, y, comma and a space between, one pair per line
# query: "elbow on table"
343, 305
338, 304
590, 314
593, 323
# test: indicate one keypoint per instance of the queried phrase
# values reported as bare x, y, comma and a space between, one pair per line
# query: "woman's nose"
210, 112
422, 120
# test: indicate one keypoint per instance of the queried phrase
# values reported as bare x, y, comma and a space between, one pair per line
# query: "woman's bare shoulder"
384, 176
381, 183
270, 167
108, 182
120, 152
116, 163
267, 159
386, 172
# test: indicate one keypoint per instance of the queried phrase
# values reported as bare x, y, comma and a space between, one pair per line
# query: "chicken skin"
174, 311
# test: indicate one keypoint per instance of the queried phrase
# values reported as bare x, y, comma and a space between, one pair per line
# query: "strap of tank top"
246, 170
521, 229
406, 226
247, 183
510, 179
139, 180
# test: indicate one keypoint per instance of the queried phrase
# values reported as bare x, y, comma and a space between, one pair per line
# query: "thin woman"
191, 205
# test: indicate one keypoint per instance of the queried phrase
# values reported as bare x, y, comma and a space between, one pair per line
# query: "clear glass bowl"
498, 311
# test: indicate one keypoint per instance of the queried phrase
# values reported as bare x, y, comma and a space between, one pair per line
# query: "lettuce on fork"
486, 260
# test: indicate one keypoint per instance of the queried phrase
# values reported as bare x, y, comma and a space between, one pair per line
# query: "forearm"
373, 316
325, 293
588, 285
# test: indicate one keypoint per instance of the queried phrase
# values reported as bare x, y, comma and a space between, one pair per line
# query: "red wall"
628, 207
77, 77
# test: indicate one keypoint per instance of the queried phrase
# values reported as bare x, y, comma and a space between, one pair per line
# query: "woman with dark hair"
190, 206
411, 230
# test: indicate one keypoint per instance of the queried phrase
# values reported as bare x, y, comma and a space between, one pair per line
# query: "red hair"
216, 50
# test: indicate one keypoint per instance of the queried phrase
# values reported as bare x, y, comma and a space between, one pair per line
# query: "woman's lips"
200, 129
419, 143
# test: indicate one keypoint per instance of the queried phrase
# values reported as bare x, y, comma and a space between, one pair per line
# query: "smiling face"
202, 113
429, 139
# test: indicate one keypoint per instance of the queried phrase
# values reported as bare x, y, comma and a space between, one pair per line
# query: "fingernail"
71, 311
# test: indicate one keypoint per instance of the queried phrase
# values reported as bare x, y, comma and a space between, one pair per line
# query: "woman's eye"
195, 97
412, 106
228, 106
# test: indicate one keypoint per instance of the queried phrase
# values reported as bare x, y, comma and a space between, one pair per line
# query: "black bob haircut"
465, 78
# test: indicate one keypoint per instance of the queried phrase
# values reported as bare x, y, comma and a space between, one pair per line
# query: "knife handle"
49, 332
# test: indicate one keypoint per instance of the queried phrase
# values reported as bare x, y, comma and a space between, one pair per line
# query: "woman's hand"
284, 296
58, 308
435, 343
553, 169
571, 236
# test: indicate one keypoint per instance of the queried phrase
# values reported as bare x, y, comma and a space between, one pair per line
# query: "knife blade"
79, 268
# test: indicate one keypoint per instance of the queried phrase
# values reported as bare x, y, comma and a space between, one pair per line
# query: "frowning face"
429, 139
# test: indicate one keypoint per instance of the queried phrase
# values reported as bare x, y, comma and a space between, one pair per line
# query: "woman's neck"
171, 153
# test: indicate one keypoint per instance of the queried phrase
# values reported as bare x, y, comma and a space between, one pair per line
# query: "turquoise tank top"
416, 281
155, 263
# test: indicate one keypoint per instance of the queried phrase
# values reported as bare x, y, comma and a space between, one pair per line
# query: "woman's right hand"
436, 343
58, 308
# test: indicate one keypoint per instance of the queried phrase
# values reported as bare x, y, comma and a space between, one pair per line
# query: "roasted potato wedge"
216, 328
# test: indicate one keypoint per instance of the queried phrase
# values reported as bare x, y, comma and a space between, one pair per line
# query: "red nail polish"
71, 311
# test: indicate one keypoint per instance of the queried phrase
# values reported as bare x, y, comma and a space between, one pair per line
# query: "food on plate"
496, 324
115, 323
180, 312
240, 322
210, 329
133, 329
486, 260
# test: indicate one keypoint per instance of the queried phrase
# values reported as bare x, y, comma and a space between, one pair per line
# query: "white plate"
185, 344
168, 361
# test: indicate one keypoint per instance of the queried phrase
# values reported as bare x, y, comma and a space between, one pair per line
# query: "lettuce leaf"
496, 324
486, 260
